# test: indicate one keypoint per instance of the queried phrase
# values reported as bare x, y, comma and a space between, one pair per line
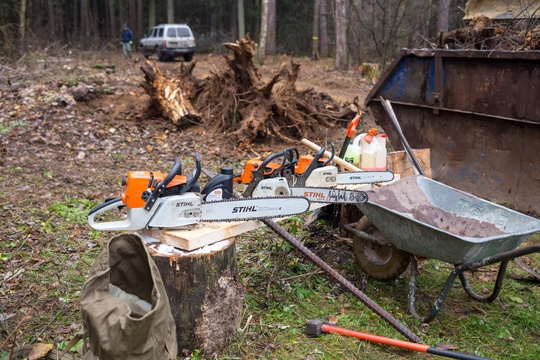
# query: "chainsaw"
294, 176
171, 201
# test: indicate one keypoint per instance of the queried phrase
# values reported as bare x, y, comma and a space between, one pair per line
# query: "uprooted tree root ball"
237, 101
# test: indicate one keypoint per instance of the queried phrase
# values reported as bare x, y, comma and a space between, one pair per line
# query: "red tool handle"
352, 126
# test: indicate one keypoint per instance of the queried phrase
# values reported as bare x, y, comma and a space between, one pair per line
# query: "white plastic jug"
381, 152
357, 146
352, 155
368, 156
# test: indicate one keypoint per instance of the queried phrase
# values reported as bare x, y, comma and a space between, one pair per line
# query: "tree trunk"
324, 28
205, 295
443, 13
113, 25
22, 21
140, 30
152, 14
341, 34
168, 94
132, 14
264, 33
241, 20
52, 19
271, 38
233, 19
315, 37
84, 18
170, 11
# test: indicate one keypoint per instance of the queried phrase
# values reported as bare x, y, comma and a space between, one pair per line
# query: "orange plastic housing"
252, 165
137, 183
303, 163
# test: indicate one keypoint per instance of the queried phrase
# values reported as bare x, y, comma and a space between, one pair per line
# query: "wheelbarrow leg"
440, 300
459, 270
496, 288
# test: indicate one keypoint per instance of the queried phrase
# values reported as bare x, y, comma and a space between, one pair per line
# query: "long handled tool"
350, 132
401, 328
412, 158
317, 327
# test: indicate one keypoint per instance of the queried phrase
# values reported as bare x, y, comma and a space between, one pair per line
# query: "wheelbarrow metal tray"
427, 218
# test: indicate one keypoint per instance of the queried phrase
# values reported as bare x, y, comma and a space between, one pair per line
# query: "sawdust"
407, 197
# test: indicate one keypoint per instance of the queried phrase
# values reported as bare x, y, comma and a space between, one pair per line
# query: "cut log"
171, 95
205, 295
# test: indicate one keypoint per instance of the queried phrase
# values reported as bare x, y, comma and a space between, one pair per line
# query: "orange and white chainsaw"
172, 201
311, 177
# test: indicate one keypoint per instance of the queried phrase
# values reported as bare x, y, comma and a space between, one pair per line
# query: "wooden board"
399, 164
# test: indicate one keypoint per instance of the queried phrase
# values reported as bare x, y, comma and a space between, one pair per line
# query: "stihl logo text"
314, 195
183, 204
244, 209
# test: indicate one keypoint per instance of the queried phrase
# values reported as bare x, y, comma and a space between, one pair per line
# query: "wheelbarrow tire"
380, 262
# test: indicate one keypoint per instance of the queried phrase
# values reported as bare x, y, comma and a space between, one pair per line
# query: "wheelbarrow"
420, 217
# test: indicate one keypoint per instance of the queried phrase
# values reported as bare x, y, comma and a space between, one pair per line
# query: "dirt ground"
89, 125
71, 128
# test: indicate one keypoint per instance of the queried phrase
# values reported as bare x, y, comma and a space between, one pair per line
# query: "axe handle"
335, 159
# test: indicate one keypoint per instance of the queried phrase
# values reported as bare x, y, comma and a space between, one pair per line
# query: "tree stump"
238, 102
205, 295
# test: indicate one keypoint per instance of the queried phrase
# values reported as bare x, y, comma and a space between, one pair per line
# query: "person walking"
127, 40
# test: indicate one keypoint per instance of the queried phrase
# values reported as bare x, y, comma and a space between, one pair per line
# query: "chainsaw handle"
176, 170
331, 156
258, 174
290, 159
194, 176
301, 179
112, 204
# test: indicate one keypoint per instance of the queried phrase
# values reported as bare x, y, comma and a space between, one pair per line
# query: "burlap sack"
136, 322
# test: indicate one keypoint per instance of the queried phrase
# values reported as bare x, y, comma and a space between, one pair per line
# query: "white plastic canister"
381, 156
357, 146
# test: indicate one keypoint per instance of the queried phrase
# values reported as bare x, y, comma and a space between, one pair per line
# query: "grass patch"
284, 292
46, 258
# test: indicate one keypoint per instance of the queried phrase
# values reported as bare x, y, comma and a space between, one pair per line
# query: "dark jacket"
127, 35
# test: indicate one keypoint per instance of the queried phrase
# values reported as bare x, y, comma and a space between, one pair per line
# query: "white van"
168, 41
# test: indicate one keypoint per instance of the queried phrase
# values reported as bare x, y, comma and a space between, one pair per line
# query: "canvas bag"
125, 308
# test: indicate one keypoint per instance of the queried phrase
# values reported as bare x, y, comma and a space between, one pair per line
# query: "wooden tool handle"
336, 158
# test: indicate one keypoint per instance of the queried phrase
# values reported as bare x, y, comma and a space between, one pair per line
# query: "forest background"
352, 31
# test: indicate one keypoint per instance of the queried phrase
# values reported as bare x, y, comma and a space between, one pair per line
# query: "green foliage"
7, 128
73, 211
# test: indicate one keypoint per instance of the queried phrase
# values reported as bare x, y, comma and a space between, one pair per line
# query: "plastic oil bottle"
369, 150
352, 155
381, 152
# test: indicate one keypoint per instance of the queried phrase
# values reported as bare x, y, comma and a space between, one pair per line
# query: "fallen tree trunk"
169, 94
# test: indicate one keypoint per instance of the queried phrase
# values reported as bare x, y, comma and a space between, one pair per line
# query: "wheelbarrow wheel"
380, 262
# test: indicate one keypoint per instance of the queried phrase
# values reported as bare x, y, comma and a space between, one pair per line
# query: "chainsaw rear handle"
112, 204
194, 176
314, 164
176, 170
258, 174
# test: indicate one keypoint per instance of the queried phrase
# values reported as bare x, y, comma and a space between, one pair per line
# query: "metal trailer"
477, 111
